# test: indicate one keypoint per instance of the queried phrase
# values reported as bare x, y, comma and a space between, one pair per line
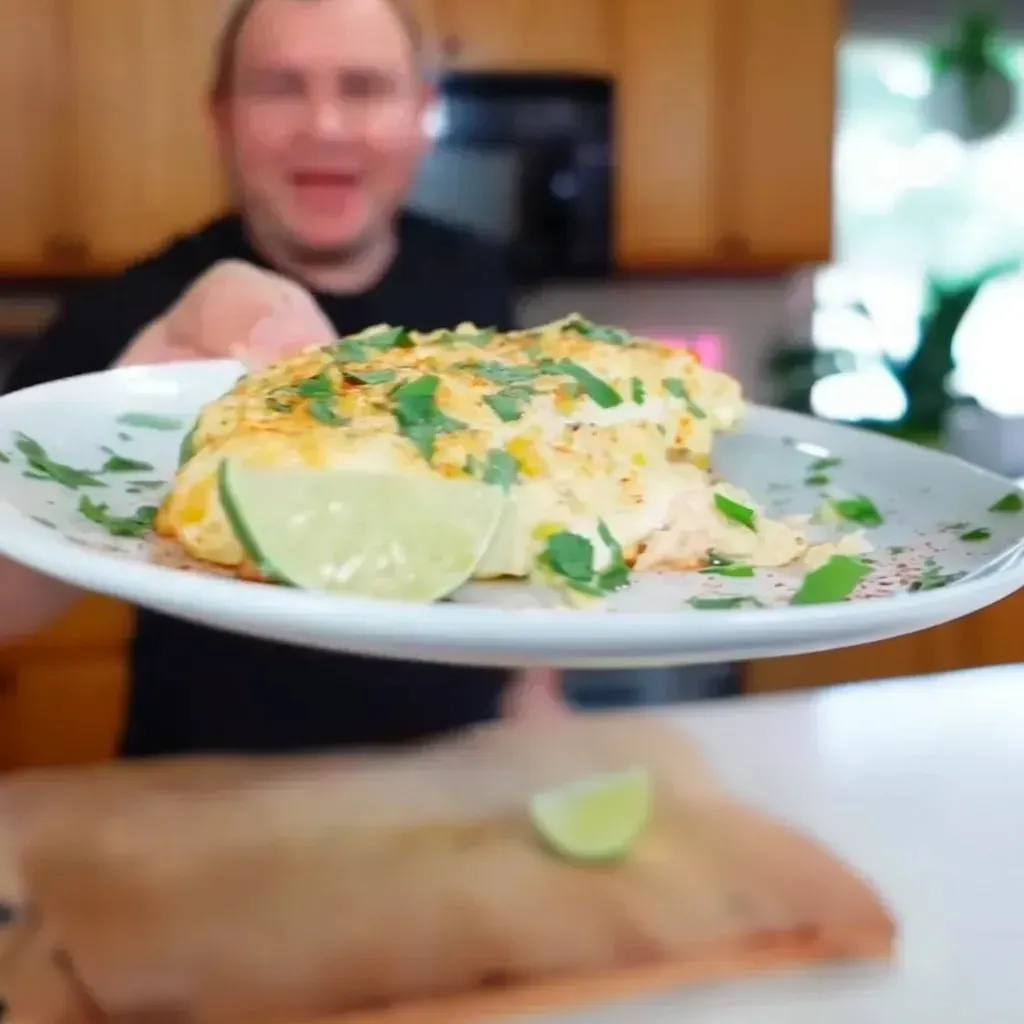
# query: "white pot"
971, 109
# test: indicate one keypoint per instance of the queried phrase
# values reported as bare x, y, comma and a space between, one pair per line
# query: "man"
318, 109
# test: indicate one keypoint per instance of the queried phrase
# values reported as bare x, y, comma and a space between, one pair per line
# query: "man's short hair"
226, 51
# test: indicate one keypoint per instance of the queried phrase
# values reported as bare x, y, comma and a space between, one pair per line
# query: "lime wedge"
597, 819
361, 534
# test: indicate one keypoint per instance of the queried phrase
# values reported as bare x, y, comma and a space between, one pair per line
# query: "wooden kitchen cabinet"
992, 636
725, 133
527, 35
30, 94
63, 690
141, 160
777, 104
724, 121
667, 129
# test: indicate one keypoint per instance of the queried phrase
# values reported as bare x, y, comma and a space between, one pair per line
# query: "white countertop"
919, 784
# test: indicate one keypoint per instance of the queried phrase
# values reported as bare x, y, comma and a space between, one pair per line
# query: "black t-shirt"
198, 689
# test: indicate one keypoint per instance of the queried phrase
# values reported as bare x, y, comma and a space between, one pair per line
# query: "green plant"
973, 50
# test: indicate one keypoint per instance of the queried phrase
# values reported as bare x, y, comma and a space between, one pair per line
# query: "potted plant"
973, 94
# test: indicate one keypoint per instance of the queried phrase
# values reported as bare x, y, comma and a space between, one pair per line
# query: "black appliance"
525, 160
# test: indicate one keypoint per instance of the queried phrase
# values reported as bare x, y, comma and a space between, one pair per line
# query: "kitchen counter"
919, 784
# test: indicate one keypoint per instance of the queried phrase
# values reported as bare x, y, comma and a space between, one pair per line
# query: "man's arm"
83, 339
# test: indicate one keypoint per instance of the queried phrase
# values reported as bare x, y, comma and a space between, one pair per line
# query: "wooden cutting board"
851, 926
287, 890
576, 994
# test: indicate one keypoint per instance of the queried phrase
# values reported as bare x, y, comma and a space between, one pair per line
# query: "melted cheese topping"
594, 427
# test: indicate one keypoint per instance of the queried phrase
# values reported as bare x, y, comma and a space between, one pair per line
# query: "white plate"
921, 493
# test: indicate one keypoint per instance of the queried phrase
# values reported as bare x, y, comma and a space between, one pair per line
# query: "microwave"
525, 160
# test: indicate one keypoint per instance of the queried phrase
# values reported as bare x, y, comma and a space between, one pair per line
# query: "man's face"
323, 129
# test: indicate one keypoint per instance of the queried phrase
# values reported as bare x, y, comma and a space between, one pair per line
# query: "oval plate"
105, 444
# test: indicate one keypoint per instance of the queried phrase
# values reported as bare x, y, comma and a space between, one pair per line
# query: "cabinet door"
528, 35
142, 160
668, 120
777, 109
62, 710
989, 637
31, 64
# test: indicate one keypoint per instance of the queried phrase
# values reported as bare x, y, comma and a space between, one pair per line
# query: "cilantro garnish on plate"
418, 415
736, 512
835, 581
149, 421
1012, 502
42, 467
857, 509
570, 558
136, 525
677, 388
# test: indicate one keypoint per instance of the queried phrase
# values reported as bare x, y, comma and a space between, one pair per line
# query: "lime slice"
597, 819
362, 534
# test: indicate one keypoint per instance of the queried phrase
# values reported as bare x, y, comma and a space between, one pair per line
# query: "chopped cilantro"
319, 386
981, 533
1011, 502
835, 581
571, 557
508, 404
820, 465
419, 418
600, 392
349, 352
276, 405
43, 467
933, 577
857, 509
639, 394
136, 525
736, 512
675, 387
616, 575
592, 332
392, 337
499, 373
724, 604
149, 421
735, 570
370, 376
322, 410
188, 446
4, 457
501, 469
122, 464
140, 486
817, 480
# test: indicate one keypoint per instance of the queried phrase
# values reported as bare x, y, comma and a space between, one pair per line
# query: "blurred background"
825, 199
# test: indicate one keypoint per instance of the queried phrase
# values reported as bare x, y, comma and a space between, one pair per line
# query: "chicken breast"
593, 431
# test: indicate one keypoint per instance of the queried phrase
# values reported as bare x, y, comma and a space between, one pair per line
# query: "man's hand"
238, 311
234, 311
535, 693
